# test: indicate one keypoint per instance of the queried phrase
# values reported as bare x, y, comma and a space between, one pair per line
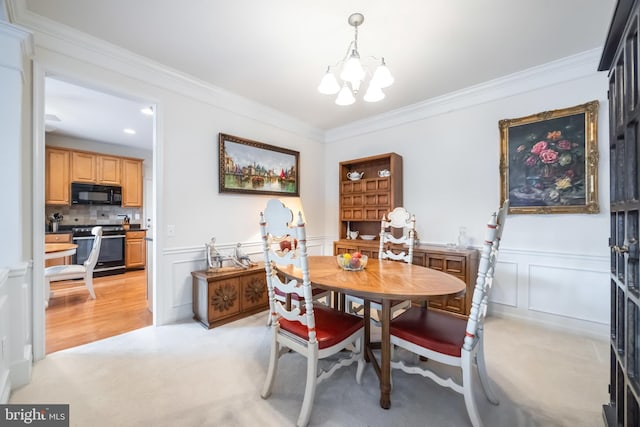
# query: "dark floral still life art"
547, 166
549, 161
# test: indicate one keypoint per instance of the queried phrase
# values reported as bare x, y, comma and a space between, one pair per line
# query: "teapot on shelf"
384, 173
355, 176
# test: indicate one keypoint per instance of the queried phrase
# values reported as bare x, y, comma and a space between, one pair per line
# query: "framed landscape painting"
549, 161
252, 167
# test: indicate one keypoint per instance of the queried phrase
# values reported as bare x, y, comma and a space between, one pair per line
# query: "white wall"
190, 115
553, 267
15, 281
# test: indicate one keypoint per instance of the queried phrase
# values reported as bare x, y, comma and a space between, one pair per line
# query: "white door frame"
38, 132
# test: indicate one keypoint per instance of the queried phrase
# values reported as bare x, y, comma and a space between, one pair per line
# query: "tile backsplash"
89, 215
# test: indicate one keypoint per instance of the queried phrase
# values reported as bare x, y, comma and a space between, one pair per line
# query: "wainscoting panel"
20, 343
181, 280
5, 383
567, 292
505, 284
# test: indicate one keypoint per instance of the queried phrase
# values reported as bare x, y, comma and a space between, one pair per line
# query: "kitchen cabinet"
462, 263
363, 202
621, 57
57, 183
83, 167
95, 168
131, 182
109, 170
228, 294
135, 255
64, 166
58, 238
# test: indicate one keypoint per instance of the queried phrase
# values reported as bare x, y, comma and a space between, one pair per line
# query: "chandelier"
353, 73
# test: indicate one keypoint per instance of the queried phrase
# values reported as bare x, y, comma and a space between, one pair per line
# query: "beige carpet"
184, 375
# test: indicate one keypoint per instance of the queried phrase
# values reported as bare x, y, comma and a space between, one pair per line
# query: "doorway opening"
82, 121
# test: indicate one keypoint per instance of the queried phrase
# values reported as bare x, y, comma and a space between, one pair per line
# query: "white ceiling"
86, 113
275, 52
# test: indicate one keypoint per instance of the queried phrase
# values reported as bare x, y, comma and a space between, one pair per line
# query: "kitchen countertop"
67, 229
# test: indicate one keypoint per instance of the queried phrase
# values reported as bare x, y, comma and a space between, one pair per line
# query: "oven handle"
104, 237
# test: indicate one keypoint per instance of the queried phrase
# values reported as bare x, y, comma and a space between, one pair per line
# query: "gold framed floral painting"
549, 161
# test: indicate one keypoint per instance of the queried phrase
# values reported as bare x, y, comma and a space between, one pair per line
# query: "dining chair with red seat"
312, 330
399, 229
442, 337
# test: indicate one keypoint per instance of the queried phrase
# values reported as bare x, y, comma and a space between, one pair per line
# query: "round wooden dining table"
59, 250
380, 280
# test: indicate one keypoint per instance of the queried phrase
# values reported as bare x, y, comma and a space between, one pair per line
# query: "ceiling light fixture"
353, 73
129, 131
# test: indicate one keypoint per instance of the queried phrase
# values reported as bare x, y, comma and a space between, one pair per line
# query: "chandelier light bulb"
329, 85
382, 77
352, 70
374, 93
345, 97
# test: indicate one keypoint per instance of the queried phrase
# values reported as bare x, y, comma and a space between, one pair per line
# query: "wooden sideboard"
228, 294
462, 263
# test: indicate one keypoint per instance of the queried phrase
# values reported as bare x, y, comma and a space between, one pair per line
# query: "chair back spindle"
486, 272
315, 332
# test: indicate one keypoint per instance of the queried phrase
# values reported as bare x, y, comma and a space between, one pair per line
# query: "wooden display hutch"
228, 294
621, 57
363, 203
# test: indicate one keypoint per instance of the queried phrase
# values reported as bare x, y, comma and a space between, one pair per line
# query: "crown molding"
16, 43
552, 73
64, 40
67, 41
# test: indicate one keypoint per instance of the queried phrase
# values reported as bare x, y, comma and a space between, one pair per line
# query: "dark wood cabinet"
621, 57
462, 263
363, 202
228, 294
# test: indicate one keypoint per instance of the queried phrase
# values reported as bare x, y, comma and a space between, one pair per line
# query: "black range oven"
111, 256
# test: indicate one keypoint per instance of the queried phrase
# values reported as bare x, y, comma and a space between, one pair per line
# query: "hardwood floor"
73, 318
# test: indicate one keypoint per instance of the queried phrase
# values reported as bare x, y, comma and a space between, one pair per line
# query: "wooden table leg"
367, 329
385, 363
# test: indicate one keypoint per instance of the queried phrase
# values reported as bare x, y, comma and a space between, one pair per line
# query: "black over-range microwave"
90, 194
